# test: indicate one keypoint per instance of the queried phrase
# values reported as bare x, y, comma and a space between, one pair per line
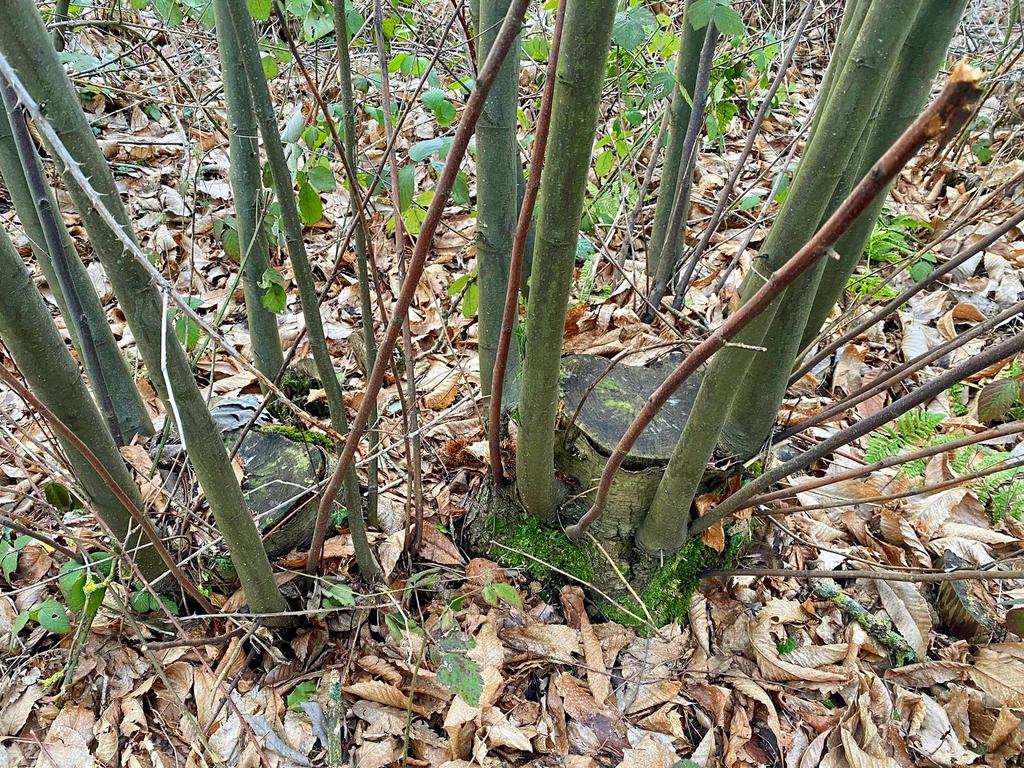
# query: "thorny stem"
942, 116
460, 142
515, 270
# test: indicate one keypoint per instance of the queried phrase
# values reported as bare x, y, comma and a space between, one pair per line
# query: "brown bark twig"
946, 111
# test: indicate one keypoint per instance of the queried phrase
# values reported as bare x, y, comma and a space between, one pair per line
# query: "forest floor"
459, 661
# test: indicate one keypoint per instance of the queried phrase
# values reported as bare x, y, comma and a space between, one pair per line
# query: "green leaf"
53, 618
142, 602
633, 26
996, 399
406, 186
170, 11
72, 584
421, 150
270, 67
304, 691
58, 496
460, 190
729, 22
260, 9
413, 217
187, 331
274, 297
605, 163
9, 564
339, 595
311, 208
699, 13
434, 98
19, 623
536, 48
920, 271
471, 301
634, 116
321, 178
460, 675
504, 593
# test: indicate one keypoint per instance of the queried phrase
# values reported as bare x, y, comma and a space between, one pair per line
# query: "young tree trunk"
755, 405
29, 334
904, 96
237, 14
106, 365
870, 59
581, 66
27, 48
497, 170
687, 62
348, 109
247, 188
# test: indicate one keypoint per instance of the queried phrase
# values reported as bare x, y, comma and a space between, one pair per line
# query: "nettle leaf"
311, 208
53, 618
461, 675
274, 297
260, 9
633, 26
996, 399
421, 150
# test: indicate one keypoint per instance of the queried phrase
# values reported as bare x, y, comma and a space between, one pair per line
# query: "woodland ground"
461, 661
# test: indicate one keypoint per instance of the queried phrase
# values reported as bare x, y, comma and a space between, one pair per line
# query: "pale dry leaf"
999, 671
382, 693
909, 611
553, 641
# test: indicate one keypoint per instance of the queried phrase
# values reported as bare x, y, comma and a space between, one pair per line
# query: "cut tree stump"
611, 398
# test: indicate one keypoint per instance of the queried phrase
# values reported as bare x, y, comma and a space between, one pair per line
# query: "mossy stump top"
610, 405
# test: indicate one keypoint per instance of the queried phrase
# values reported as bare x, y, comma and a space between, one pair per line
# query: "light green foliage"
498, 592
297, 435
786, 646
10, 548
301, 693
914, 429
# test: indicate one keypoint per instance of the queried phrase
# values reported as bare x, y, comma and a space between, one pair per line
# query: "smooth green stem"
26, 45
238, 15
247, 188
871, 56
691, 42
348, 110
32, 339
497, 169
586, 39
902, 100
103, 363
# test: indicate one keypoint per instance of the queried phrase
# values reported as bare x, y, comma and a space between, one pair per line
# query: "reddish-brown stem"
506, 37
138, 515
943, 114
515, 270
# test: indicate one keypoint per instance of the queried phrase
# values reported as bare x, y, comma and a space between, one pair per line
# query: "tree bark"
498, 168
29, 334
108, 366
247, 188
904, 96
687, 62
238, 16
581, 66
27, 47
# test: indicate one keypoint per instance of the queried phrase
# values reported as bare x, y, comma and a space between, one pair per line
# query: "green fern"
1002, 492
914, 429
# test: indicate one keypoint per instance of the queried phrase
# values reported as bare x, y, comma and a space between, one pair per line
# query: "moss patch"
528, 534
297, 435
668, 595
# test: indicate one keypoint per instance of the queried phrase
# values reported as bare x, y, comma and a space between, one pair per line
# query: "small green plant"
914, 429
498, 592
867, 286
897, 237
10, 549
301, 693
786, 646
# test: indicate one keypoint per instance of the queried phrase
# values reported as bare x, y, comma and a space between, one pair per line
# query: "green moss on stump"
550, 545
297, 435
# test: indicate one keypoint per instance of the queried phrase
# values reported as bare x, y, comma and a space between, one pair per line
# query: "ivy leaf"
460, 675
274, 297
996, 399
633, 26
311, 209
260, 9
53, 618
